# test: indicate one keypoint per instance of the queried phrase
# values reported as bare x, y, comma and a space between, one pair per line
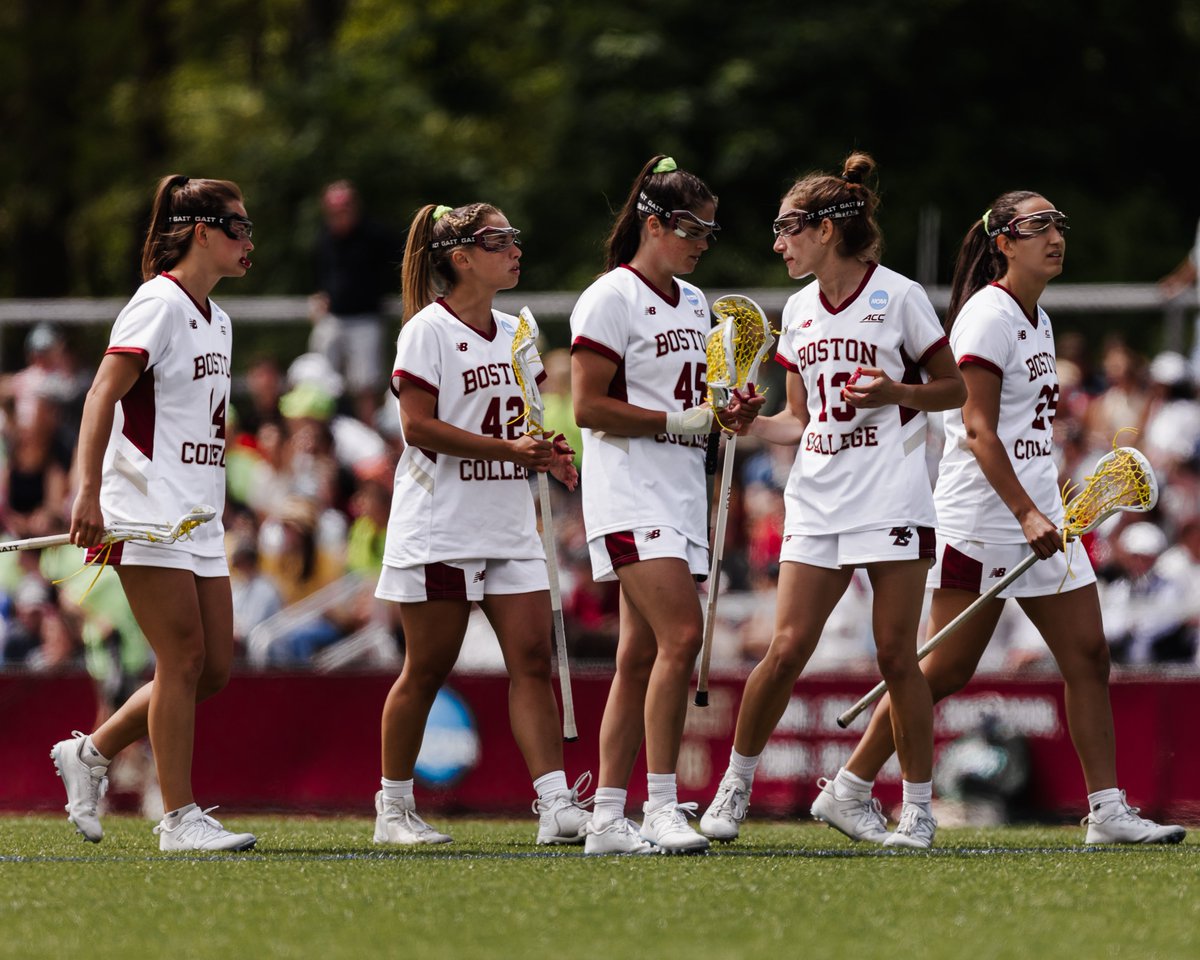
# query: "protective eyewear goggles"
683, 223
1031, 224
233, 225
794, 221
488, 239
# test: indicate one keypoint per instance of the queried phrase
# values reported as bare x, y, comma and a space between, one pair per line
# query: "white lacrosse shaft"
36, 543
938, 638
570, 733
714, 573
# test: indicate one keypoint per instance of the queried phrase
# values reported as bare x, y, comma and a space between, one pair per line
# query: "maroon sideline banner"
310, 743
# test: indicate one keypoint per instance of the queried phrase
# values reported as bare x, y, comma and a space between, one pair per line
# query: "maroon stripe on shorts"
622, 548
444, 582
960, 572
114, 556
927, 538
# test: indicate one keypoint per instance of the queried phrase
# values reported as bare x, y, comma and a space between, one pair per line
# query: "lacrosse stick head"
719, 351
745, 343
200, 513
524, 350
1123, 481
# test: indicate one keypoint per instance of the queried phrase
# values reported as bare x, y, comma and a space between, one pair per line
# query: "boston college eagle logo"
901, 536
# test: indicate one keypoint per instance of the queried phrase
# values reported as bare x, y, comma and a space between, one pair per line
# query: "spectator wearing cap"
1148, 606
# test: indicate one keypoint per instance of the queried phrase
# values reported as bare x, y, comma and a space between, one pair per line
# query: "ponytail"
980, 261
167, 243
427, 274
666, 186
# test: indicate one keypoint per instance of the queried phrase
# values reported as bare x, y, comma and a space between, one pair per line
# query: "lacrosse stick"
1123, 482
524, 350
736, 347
121, 530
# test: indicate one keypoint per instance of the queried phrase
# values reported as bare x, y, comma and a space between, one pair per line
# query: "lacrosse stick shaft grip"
36, 543
570, 733
714, 575
936, 640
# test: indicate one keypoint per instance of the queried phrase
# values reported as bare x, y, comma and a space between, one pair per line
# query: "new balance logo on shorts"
652, 535
901, 536
479, 577
998, 572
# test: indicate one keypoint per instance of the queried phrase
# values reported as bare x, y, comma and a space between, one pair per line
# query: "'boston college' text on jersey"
658, 344
166, 453
454, 508
993, 331
859, 469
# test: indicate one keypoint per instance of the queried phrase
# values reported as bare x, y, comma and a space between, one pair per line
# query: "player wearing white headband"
866, 358
997, 498
152, 444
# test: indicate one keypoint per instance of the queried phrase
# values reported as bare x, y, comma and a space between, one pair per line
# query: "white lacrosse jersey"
859, 469
993, 331
658, 344
166, 453
451, 508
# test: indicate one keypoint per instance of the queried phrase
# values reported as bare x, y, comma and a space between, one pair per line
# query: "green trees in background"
549, 108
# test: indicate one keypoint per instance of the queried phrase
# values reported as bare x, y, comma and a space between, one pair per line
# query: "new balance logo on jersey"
1020, 334
652, 535
480, 576
222, 328
998, 572
462, 346
901, 536
806, 324
651, 311
873, 318
193, 324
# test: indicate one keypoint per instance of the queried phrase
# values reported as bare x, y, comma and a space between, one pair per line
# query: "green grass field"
320, 888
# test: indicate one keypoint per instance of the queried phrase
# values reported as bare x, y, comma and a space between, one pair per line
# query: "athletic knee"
896, 663
183, 663
213, 679
636, 664
948, 682
787, 655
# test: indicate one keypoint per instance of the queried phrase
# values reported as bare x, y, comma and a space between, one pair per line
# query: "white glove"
691, 422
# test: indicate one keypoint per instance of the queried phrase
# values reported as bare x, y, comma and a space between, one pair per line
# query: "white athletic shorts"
834, 550
615, 550
974, 566
469, 580
135, 553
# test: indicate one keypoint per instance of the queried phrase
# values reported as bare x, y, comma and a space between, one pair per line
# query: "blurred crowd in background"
310, 466
313, 447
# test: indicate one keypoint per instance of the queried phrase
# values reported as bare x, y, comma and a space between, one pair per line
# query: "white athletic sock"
175, 816
90, 755
609, 805
549, 785
743, 767
919, 793
847, 786
662, 790
396, 789
1101, 797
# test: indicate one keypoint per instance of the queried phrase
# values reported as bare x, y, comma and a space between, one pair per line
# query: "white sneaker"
85, 786
565, 817
668, 829
196, 830
396, 821
915, 831
619, 836
857, 819
1118, 822
722, 820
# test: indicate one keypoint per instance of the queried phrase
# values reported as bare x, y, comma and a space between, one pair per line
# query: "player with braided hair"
462, 527
997, 497
866, 358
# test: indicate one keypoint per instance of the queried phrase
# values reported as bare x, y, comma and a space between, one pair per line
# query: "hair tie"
440, 212
665, 165
986, 213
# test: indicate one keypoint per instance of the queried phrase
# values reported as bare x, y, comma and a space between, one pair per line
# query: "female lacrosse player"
638, 380
865, 357
462, 527
152, 445
997, 498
